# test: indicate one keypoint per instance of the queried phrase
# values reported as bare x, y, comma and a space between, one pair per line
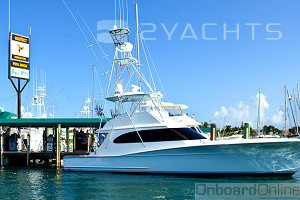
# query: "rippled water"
47, 183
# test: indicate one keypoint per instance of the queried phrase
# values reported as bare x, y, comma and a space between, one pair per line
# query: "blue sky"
207, 75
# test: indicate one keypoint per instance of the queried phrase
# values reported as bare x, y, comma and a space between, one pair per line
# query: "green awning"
65, 122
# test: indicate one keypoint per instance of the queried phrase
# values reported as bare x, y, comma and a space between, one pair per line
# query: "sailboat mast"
298, 92
258, 114
295, 111
138, 46
285, 117
93, 100
298, 105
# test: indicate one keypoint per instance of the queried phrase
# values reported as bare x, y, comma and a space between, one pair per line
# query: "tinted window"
157, 135
193, 128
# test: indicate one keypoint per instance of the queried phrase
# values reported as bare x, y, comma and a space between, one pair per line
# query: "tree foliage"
204, 125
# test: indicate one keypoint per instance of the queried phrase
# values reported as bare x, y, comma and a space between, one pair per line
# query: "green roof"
205, 130
7, 115
53, 122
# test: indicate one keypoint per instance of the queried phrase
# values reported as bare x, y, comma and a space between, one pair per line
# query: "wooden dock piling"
247, 131
2, 147
74, 139
68, 139
213, 134
28, 150
58, 164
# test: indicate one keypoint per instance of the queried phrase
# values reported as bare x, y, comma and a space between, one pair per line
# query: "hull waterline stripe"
183, 172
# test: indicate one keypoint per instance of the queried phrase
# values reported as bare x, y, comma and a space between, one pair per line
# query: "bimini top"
134, 97
171, 106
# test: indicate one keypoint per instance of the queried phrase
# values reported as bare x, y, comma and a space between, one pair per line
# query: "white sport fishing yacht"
143, 138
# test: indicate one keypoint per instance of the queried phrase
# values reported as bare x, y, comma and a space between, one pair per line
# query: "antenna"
9, 16
88, 42
138, 46
33, 81
296, 122
258, 113
93, 100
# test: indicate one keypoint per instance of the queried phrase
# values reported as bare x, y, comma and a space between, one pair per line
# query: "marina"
96, 103
141, 136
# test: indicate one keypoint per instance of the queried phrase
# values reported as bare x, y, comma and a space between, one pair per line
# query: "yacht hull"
274, 158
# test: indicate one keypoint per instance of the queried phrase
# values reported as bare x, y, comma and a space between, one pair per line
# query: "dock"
56, 138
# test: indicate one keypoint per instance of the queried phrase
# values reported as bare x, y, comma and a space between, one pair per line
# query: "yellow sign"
19, 48
19, 64
19, 56
21, 39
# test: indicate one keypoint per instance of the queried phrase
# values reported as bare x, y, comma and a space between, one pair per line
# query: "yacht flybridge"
142, 137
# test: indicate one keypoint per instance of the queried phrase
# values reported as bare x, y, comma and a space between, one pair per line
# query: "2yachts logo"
205, 31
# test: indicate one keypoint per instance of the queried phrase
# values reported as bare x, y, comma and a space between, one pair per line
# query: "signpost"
19, 63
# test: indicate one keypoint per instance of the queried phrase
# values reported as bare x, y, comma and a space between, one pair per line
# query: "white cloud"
235, 115
278, 117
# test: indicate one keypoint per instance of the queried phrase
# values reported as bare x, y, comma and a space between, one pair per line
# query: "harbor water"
49, 183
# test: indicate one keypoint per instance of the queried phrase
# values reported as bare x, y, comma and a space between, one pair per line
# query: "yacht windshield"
159, 135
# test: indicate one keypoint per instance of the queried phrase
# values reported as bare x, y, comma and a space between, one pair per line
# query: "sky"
212, 55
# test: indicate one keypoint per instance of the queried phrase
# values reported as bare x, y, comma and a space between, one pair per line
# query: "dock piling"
213, 132
28, 149
2, 147
68, 139
247, 131
89, 141
74, 139
58, 164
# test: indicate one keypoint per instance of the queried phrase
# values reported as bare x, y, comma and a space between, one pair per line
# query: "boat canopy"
171, 106
134, 97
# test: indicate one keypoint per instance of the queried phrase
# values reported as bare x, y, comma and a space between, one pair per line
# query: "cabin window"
159, 135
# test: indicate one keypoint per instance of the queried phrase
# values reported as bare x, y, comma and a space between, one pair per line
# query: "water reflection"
45, 183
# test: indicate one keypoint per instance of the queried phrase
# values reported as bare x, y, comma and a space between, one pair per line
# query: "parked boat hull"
275, 158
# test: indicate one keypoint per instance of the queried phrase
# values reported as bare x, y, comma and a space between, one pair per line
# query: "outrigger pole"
138, 46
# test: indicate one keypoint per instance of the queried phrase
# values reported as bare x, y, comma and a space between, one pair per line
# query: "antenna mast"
295, 111
298, 104
138, 46
93, 100
9, 16
258, 114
